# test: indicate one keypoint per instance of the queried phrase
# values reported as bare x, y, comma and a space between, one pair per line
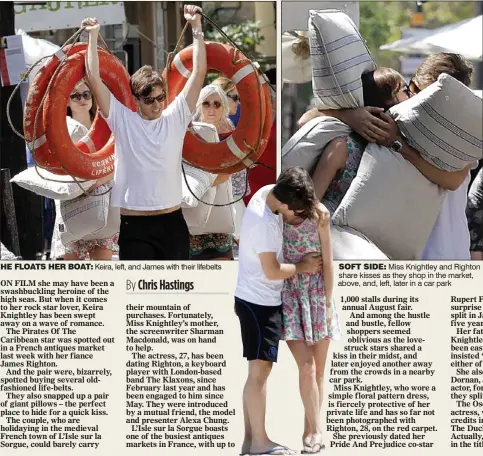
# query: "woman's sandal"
313, 449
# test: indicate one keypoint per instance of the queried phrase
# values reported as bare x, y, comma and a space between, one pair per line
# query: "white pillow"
443, 123
339, 57
197, 217
198, 180
86, 215
349, 244
391, 203
112, 227
221, 219
45, 185
206, 131
307, 144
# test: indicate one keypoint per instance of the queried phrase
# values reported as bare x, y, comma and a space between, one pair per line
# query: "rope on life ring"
242, 149
33, 121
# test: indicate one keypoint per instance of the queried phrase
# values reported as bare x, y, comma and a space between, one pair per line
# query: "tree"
383, 22
246, 35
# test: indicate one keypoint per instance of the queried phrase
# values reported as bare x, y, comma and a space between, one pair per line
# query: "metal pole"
479, 82
8, 210
28, 205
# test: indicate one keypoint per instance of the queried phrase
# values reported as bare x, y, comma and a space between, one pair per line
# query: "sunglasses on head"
150, 100
215, 104
87, 95
235, 98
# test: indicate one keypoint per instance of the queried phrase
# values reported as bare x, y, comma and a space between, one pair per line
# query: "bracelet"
198, 34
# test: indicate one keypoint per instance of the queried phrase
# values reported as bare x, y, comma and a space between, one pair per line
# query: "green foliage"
246, 35
383, 22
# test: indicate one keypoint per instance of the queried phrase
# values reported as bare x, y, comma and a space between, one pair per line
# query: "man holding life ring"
148, 151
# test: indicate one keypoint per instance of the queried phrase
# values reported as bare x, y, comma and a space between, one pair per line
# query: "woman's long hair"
380, 86
93, 110
204, 94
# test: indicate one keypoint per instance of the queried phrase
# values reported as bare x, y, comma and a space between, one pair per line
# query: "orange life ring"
246, 144
93, 156
35, 133
75, 160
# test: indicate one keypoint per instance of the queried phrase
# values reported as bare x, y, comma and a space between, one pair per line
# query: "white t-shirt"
450, 238
147, 174
261, 231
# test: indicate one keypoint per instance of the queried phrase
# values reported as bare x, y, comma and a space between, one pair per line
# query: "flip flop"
313, 449
272, 451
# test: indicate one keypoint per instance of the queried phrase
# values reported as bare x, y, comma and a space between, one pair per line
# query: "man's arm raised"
193, 86
99, 90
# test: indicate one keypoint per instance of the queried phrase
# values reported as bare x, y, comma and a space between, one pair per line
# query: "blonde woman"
212, 108
241, 187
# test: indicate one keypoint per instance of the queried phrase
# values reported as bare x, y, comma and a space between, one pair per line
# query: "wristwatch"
397, 146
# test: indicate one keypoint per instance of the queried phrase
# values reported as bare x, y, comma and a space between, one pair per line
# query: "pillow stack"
339, 57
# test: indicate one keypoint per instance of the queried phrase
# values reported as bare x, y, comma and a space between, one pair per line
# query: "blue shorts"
261, 330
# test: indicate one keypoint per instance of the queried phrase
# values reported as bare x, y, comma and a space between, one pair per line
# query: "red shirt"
259, 176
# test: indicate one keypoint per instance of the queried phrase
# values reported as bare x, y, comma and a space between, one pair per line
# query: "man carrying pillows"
148, 151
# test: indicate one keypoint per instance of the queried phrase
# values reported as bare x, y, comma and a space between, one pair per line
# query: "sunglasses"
235, 98
207, 104
151, 100
411, 88
87, 95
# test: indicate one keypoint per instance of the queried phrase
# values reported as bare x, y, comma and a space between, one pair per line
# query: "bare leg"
100, 254
320, 350
247, 440
255, 402
70, 256
309, 391
477, 256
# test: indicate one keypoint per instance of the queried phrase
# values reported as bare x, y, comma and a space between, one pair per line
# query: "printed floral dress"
305, 313
342, 181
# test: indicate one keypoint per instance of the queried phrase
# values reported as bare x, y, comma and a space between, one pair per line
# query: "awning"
463, 38
62, 15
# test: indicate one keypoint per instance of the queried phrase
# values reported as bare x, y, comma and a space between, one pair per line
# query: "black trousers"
154, 237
